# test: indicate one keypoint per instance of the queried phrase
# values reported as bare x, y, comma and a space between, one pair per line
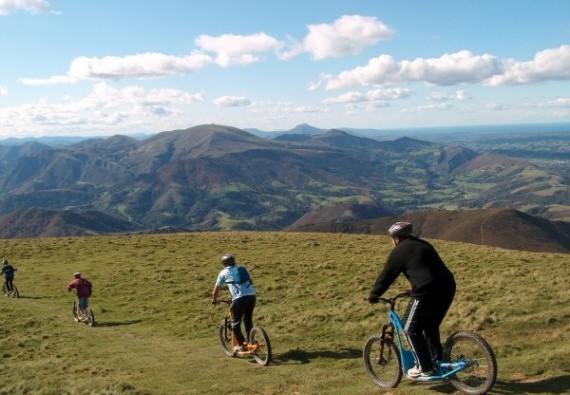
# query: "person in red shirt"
83, 288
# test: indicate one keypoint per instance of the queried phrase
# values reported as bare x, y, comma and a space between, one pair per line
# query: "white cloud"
389, 94
237, 49
276, 109
495, 107
547, 65
146, 65
142, 66
562, 102
377, 95
380, 70
3, 91
232, 101
104, 108
449, 69
459, 95
346, 36
34, 6
453, 69
295, 109
427, 108
348, 97
54, 80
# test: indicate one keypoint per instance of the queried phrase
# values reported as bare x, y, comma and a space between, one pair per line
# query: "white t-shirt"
230, 276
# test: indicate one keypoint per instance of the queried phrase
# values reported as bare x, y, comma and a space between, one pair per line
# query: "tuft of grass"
157, 332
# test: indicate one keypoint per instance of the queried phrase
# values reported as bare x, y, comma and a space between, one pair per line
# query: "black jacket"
422, 266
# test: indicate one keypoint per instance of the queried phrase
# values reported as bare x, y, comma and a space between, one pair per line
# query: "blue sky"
105, 67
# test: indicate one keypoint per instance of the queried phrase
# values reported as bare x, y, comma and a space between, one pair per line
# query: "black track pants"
242, 308
421, 326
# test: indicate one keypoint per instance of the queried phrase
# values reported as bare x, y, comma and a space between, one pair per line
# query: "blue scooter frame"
468, 361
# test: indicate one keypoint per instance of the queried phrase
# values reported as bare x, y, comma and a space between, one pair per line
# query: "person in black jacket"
431, 295
8, 271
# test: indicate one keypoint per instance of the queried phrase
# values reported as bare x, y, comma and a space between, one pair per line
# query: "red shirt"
82, 286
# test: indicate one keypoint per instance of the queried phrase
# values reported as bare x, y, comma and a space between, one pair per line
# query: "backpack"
240, 276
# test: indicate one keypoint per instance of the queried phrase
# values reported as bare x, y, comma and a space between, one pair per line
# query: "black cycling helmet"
228, 260
400, 229
5, 261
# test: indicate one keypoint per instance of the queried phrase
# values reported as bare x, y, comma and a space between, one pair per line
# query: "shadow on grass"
302, 356
32, 297
552, 385
117, 323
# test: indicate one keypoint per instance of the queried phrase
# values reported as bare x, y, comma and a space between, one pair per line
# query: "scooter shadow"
117, 323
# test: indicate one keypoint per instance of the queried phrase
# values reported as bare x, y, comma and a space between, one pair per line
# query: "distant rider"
433, 289
237, 279
83, 288
8, 271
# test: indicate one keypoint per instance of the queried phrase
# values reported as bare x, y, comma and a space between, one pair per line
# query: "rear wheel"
480, 375
382, 361
225, 333
90, 317
258, 338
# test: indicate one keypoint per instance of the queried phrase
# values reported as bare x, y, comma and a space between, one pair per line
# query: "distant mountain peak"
305, 128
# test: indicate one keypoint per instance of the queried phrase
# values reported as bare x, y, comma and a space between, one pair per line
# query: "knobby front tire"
225, 334
382, 361
479, 378
262, 355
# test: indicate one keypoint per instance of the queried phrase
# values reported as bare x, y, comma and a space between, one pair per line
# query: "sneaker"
415, 372
238, 349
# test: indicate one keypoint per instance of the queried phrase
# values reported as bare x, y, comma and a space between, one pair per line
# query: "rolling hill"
505, 228
39, 222
213, 177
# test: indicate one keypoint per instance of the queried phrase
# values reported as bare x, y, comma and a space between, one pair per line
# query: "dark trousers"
242, 309
9, 284
421, 326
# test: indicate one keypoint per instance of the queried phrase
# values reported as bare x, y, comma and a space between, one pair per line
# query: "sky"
107, 67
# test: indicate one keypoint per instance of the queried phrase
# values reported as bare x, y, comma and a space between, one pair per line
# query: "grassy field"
157, 332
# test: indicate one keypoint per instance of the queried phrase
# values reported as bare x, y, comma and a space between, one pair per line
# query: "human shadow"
32, 297
551, 385
302, 357
118, 323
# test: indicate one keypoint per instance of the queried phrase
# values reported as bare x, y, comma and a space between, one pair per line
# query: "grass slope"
157, 332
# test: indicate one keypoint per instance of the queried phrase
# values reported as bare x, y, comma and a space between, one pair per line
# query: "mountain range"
214, 177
